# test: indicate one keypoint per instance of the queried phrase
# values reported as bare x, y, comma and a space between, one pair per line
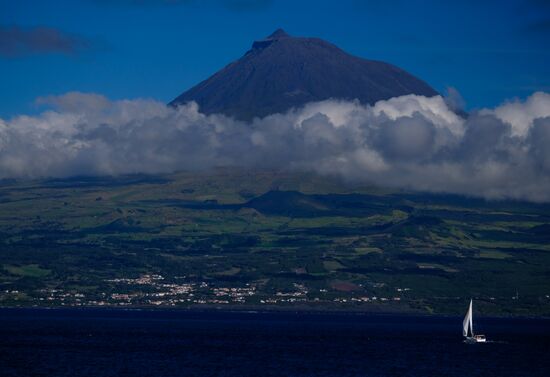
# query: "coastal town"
153, 290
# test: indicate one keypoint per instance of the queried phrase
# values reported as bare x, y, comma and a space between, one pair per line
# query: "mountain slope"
281, 72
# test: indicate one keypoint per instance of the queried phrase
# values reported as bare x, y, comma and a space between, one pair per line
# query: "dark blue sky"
489, 50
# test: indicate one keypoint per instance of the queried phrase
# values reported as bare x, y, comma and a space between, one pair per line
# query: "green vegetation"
30, 270
294, 240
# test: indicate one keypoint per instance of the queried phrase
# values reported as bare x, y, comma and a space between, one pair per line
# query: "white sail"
467, 323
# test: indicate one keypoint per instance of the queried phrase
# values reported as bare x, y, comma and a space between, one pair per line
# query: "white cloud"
409, 142
520, 115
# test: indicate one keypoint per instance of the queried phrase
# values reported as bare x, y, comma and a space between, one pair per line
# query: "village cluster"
154, 290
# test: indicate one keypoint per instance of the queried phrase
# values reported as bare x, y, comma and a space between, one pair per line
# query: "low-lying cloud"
407, 142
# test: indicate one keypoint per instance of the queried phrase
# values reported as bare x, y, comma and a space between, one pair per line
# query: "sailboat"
468, 328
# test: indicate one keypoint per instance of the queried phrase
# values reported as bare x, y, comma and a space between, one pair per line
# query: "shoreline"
291, 312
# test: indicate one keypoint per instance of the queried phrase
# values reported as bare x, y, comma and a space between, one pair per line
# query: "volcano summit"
281, 72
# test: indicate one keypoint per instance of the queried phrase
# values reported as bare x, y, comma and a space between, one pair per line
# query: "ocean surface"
103, 342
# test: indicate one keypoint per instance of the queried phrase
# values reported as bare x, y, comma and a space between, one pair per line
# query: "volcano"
282, 72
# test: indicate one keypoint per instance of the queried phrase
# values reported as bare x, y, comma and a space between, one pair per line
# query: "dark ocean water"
168, 343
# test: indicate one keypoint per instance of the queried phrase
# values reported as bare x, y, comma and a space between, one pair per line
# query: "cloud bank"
409, 142
17, 41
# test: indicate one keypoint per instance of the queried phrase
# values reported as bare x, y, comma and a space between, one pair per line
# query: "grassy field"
280, 239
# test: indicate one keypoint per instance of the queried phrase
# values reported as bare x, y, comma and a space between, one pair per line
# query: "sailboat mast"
467, 324
471, 315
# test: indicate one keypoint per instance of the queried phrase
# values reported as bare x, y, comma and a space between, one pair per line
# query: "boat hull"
475, 339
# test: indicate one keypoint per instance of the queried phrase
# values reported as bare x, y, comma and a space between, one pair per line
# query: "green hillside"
264, 239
